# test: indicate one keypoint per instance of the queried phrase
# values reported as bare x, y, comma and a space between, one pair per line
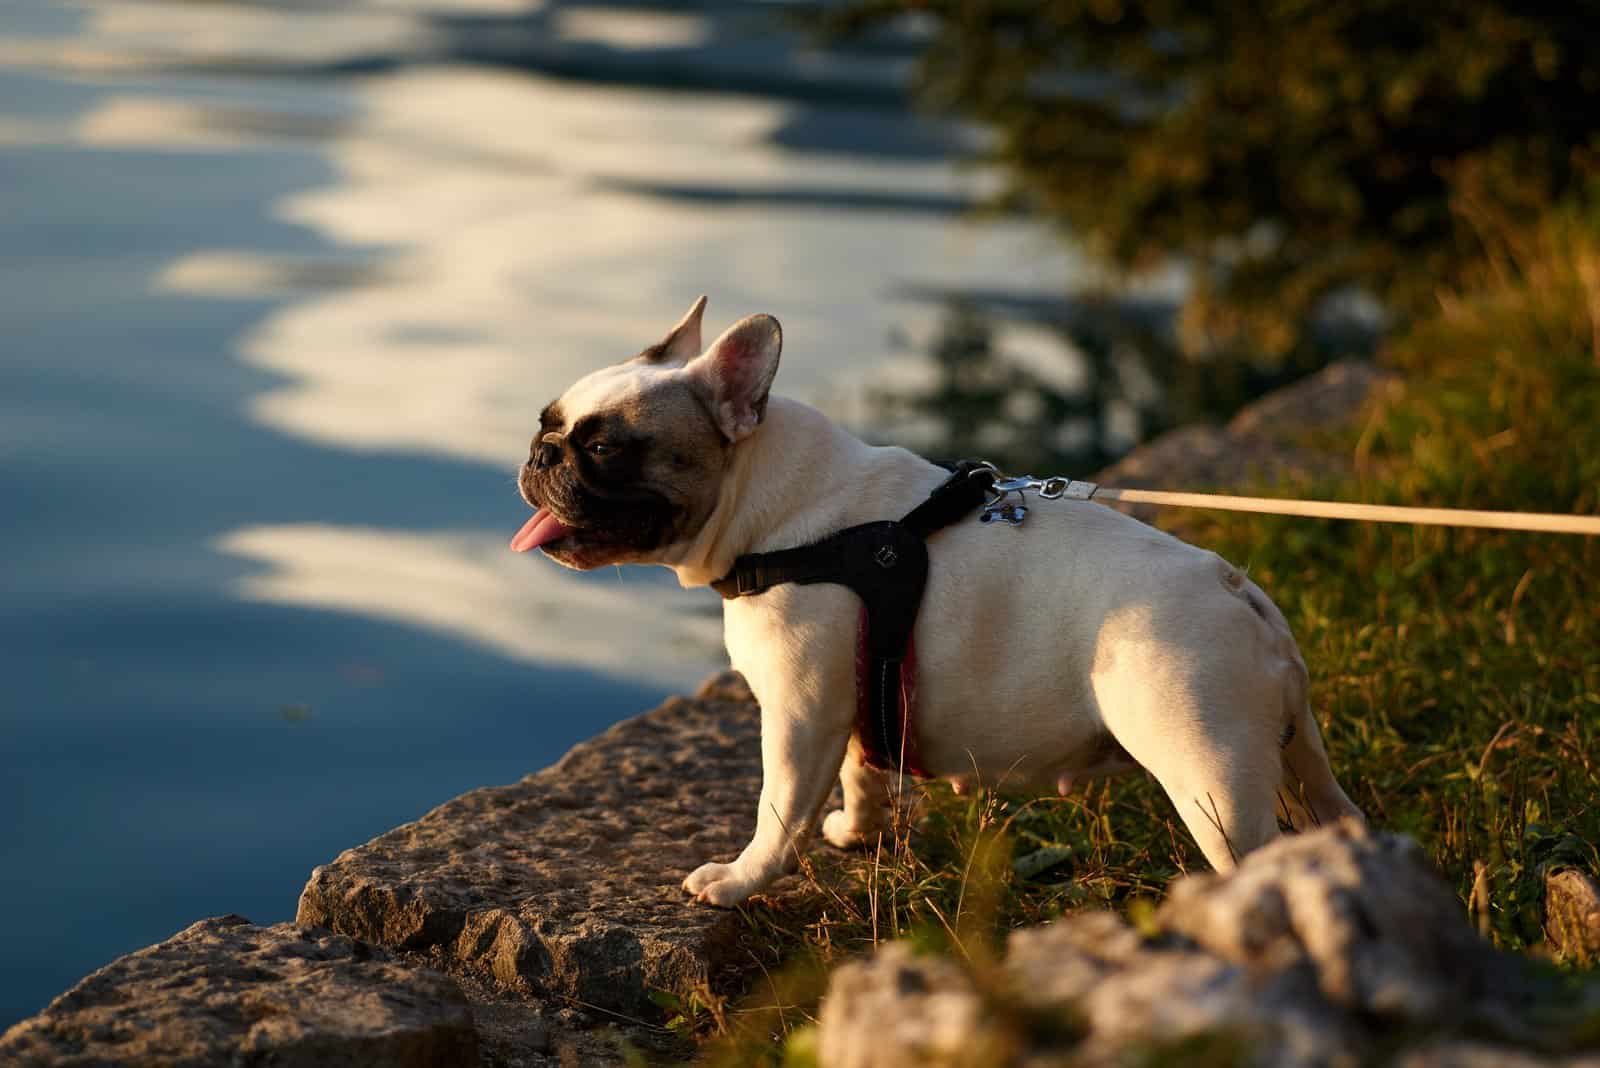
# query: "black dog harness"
886, 564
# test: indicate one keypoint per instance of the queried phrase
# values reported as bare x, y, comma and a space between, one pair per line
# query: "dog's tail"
1309, 794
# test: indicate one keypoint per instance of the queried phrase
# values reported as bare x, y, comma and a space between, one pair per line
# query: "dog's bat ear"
682, 342
735, 374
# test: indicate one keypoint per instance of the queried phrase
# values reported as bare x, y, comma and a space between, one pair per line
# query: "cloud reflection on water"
470, 586
496, 234
509, 270
418, 241
516, 260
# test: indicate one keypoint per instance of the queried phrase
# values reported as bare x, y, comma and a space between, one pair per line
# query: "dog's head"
630, 459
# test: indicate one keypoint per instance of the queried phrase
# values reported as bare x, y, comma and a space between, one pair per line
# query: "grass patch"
1454, 671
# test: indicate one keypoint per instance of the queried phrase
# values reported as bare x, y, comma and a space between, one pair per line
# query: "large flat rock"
566, 884
1334, 947
226, 992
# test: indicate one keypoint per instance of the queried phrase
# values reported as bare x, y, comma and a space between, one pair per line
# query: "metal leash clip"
999, 508
1049, 489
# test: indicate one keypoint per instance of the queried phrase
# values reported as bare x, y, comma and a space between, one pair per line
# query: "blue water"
169, 751
254, 605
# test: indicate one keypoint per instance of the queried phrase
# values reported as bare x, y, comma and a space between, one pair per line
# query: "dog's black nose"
546, 455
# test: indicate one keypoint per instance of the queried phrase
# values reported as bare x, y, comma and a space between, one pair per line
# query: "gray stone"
1572, 915
896, 1008
1087, 985
1128, 991
1329, 398
1263, 442
1333, 947
226, 992
566, 884
1381, 931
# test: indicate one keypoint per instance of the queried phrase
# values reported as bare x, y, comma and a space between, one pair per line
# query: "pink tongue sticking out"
535, 532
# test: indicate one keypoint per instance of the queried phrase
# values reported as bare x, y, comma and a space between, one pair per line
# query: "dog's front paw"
721, 885
842, 834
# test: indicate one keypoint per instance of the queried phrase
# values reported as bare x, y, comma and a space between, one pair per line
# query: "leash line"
1545, 522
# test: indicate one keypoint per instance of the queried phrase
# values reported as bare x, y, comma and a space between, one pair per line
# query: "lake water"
281, 294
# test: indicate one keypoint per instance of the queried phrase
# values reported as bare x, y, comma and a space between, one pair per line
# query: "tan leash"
1001, 508
1373, 513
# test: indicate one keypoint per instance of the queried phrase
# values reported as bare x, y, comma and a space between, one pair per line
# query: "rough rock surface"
1572, 915
1381, 932
1338, 946
566, 884
516, 1033
1256, 443
226, 992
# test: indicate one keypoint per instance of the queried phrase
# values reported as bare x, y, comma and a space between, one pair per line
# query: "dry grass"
1455, 672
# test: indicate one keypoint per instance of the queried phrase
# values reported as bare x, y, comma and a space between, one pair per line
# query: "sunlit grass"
1455, 672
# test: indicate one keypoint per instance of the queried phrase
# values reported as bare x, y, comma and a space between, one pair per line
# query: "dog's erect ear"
682, 342
736, 373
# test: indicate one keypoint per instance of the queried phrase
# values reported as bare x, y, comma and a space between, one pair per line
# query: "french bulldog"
1081, 643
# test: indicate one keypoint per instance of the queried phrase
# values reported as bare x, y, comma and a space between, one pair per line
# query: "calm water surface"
281, 292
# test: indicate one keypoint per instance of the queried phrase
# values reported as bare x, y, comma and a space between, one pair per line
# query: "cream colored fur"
1033, 642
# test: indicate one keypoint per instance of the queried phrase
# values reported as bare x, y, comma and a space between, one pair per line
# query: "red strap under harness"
909, 758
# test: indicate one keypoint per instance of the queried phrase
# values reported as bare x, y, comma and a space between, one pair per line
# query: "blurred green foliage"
1284, 150
1131, 383
1453, 671
1438, 157
983, 403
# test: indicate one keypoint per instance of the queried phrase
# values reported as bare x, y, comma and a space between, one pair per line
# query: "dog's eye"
599, 448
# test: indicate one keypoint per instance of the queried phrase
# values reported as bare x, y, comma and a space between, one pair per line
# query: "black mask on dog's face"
631, 458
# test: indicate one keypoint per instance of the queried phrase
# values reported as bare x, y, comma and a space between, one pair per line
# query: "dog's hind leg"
1308, 794
867, 800
1208, 728
1224, 790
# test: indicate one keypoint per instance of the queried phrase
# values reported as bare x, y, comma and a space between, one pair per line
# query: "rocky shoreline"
505, 927
517, 926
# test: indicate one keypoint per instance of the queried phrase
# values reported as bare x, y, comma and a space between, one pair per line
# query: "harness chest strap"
886, 564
